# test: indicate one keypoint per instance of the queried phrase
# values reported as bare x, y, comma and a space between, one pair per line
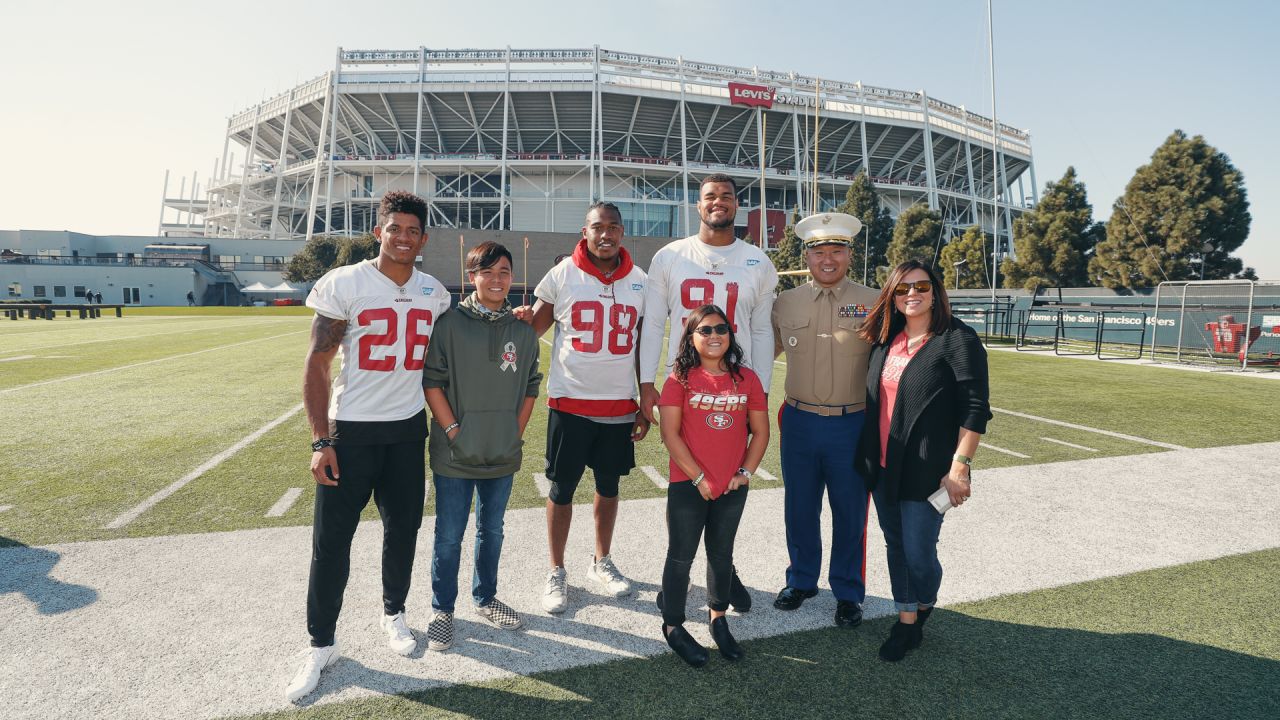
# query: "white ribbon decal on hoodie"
508, 357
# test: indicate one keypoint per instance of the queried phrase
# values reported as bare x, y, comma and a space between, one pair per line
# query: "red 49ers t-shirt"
714, 421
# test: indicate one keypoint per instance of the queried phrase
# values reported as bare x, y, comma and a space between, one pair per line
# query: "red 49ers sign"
750, 95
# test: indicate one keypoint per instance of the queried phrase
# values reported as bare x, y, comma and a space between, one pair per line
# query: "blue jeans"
453, 509
911, 530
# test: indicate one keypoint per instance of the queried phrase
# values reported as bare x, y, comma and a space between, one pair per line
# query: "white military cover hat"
828, 229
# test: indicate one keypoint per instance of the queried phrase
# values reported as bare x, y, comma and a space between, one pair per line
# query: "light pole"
957, 265
1205, 249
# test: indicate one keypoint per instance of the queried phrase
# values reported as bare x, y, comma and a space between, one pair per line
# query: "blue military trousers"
817, 456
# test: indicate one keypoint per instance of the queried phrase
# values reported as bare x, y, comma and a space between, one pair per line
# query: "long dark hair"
687, 357
884, 321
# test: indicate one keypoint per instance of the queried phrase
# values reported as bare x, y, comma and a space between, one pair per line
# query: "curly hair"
719, 178
687, 357
402, 201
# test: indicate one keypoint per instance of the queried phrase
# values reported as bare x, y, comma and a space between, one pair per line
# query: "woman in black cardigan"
927, 406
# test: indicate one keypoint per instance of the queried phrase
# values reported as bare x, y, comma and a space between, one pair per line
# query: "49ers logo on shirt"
718, 403
508, 357
719, 421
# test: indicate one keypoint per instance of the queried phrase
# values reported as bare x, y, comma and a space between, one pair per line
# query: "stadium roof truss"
476, 132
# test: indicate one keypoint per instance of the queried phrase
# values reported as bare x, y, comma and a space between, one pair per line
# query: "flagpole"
526, 270
817, 110
760, 121
462, 270
995, 161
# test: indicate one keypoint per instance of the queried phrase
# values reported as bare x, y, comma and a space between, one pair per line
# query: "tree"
1186, 207
326, 252
971, 248
1053, 241
915, 237
789, 255
863, 202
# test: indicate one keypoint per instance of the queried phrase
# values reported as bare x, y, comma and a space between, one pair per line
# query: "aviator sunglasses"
921, 286
706, 330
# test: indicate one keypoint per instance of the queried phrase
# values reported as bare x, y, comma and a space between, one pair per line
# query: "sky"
98, 99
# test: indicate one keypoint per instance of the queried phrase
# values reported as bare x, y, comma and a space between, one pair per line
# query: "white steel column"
191, 205
320, 153
417, 124
795, 146
973, 189
333, 131
244, 169
506, 114
279, 168
591, 152
1035, 189
862, 131
163, 194
599, 119
684, 154
928, 154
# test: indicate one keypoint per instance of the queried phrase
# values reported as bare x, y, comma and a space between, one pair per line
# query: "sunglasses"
706, 330
921, 286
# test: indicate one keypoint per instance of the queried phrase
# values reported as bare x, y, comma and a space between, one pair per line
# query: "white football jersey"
593, 353
382, 352
687, 274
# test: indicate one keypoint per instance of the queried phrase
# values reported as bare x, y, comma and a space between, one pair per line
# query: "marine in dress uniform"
816, 325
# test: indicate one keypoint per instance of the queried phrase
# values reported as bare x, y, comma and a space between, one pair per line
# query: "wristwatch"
962, 459
321, 444
744, 473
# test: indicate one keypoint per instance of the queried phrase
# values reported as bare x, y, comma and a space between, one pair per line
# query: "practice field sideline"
104, 416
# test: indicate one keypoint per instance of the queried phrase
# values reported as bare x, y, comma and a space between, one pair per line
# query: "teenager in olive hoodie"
481, 378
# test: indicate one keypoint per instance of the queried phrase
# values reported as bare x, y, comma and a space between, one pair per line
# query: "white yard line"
544, 485
765, 474
548, 342
1006, 452
19, 357
1070, 445
1086, 428
135, 337
147, 362
213, 462
653, 474
5, 508
285, 502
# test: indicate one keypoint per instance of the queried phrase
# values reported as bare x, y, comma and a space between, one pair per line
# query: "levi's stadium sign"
751, 95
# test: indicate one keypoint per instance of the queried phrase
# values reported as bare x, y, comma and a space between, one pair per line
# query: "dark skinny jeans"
688, 515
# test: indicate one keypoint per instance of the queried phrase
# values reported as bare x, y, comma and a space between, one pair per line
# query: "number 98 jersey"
593, 354
382, 352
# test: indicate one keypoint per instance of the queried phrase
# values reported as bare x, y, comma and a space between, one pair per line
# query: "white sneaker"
555, 597
399, 636
440, 632
315, 660
606, 574
500, 615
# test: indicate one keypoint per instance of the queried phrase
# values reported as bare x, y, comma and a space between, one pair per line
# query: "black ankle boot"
902, 639
686, 647
921, 616
729, 647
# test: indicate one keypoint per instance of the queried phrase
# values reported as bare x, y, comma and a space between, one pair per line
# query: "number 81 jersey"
382, 352
593, 354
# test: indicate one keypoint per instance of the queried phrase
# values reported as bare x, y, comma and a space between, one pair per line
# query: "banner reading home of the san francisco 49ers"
750, 95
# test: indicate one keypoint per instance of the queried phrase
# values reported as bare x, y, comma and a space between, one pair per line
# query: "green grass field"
102, 414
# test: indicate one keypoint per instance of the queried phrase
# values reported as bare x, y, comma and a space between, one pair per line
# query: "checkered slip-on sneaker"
440, 632
499, 615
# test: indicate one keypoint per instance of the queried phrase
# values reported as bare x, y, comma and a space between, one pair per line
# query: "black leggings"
395, 475
687, 516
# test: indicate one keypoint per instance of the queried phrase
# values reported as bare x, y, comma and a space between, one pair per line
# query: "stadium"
523, 140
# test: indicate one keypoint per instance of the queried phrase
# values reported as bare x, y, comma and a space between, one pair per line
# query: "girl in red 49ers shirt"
715, 424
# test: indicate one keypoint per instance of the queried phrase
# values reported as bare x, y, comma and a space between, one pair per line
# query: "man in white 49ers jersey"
595, 298
710, 268
369, 431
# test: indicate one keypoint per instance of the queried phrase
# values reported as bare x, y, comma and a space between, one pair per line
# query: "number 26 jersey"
382, 352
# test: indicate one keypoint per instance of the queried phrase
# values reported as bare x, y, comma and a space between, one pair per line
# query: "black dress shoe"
659, 601
902, 639
729, 647
848, 614
791, 598
686, 647
739, 598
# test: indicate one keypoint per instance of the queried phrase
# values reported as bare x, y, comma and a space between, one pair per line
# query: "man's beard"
722, 225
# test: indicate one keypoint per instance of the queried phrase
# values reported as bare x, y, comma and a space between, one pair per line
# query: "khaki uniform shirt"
817, 328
